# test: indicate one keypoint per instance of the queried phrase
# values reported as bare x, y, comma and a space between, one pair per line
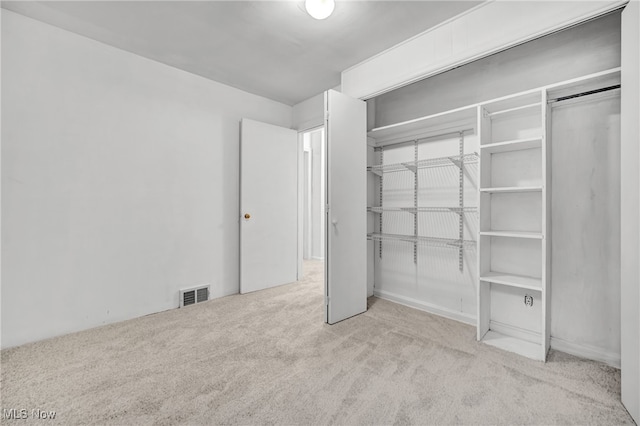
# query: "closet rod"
412, 141
590, 92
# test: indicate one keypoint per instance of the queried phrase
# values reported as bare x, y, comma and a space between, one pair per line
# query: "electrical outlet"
528, 300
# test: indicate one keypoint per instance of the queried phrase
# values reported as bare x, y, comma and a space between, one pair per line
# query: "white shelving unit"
513, 266
452, 124
514, 243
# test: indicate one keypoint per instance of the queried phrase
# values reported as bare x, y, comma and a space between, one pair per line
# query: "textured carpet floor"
267, 358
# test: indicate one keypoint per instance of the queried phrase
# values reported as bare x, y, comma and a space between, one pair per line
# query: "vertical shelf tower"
514, 241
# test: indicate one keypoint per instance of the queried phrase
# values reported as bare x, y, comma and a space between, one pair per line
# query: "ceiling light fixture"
320, 9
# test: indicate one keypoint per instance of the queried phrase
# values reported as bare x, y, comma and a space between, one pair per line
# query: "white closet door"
268, 205
346, 228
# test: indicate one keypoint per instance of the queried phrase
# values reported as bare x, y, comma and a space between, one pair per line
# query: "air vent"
191, 296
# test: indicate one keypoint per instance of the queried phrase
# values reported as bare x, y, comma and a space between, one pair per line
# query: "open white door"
268, 205
346, 195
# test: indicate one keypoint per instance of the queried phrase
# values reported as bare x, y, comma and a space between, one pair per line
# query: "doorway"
312, 205
313, 194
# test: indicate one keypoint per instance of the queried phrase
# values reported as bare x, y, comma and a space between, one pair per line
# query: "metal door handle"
247, 216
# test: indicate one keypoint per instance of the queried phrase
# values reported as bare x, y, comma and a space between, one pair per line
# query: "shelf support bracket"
411, 167
458, 162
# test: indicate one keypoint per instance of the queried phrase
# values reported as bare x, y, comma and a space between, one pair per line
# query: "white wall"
119, 182
309, 113
630, 209
486, 29
585, 220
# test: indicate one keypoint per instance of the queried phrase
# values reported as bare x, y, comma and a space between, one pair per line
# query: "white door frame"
306, 209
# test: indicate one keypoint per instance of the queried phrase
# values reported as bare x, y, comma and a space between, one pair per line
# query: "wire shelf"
426, 241
414, 166
423, 209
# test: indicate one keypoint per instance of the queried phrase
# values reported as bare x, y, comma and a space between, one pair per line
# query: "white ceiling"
269, 48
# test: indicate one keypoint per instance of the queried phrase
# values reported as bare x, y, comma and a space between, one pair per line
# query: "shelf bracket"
411, 167
458, 162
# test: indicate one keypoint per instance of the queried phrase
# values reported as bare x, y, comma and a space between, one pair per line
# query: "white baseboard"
586, 351
580, 350
427, 307
517, 332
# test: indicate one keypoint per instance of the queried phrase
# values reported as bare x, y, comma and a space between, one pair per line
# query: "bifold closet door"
346, 226
630, 211
268, 205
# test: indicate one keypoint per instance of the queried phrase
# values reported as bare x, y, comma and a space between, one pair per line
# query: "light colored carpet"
267, 358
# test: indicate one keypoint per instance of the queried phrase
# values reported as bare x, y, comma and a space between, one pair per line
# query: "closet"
461, 205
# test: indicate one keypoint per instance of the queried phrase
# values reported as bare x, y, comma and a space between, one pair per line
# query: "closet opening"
528, 247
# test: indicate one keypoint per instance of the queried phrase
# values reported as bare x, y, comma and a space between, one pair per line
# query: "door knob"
247, 216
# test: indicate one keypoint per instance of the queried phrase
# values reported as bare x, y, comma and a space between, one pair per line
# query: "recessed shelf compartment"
513, 280
514, 256
514, 168
513, 118
510, 318
511, 211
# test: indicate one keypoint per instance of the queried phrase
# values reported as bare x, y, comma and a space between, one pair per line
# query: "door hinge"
326, 115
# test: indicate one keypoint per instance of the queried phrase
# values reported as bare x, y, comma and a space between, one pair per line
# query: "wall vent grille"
191, 296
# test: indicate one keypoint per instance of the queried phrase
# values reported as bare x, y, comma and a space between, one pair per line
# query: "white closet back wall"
585, 182
431, 279
585, 220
